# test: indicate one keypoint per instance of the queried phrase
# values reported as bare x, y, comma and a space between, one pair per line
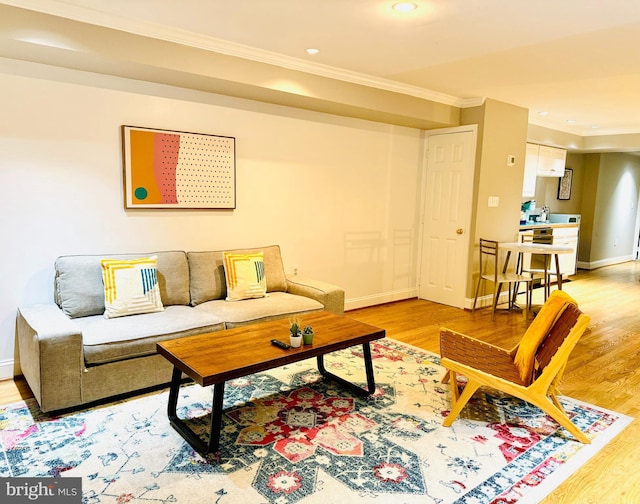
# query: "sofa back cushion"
79, 290
206, 272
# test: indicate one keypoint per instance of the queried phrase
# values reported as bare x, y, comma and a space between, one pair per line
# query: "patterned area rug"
288, 437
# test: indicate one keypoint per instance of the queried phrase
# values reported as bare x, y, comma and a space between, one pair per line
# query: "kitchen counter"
552, 225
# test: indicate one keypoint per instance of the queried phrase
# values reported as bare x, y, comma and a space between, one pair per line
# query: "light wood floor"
604, 369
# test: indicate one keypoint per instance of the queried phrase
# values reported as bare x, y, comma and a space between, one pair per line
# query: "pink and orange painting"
168, 169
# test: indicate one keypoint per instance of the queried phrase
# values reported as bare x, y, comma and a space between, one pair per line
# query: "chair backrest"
538, 331
542, 235
488, 257
556, 338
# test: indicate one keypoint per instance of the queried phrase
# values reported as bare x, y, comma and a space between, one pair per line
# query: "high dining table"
535, 248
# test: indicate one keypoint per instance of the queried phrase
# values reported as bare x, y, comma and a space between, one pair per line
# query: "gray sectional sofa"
70, 354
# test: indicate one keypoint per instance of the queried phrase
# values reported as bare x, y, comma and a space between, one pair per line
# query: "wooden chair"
491, 271
539, 266
531, 370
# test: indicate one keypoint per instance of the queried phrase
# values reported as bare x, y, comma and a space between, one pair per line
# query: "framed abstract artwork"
564, 184
174, 169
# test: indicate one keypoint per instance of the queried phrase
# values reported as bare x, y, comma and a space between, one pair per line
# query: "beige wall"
334, 192
605, 193
588, 208
502, 132
615, 210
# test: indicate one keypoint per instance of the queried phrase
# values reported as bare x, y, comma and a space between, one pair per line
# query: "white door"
447, 216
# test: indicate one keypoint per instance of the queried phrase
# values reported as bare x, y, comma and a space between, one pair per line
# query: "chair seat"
508, 277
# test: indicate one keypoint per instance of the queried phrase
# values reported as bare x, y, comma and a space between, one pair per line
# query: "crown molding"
97, 17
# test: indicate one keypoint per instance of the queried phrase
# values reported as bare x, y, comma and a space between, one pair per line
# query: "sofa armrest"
51, 355
331, 296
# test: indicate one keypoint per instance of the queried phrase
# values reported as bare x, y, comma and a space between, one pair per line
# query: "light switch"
494, 201
511, 160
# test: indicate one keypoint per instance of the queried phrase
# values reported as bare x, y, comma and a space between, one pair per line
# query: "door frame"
467, 128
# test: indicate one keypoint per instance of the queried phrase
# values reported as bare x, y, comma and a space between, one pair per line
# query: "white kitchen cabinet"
551, 161
541, 161
567, 237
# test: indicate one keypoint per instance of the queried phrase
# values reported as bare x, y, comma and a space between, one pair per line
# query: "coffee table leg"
183, 429
368, 364
173, 393
216, 417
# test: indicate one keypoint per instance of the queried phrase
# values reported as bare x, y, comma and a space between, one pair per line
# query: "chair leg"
475, 299
450, 377
555, 401
514, 297
455, 393
469, 389
547, 288
496, 294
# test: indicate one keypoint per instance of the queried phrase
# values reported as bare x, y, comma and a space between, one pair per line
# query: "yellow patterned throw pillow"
245, 276
130, 286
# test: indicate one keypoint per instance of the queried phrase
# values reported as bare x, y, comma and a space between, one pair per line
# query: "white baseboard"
386, 297
365, 301
604, 262
486, 300
6, 369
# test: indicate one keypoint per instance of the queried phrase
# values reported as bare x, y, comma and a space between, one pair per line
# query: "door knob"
459, 231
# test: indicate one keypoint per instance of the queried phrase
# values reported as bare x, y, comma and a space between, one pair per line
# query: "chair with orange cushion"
531, 370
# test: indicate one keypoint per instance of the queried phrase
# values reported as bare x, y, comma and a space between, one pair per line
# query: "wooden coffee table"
214, 358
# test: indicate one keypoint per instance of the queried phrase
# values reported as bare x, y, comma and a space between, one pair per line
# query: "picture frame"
564, 184
177, 169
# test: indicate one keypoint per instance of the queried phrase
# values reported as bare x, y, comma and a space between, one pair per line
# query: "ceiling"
573, 59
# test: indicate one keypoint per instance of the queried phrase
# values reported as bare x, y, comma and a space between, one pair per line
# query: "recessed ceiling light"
571, 121
312, 50
595, 126
405, 6
543, 113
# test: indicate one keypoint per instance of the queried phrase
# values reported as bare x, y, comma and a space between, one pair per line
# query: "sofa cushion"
244, 274
130, 286
109, 340
79, 291
207, 279
276, 305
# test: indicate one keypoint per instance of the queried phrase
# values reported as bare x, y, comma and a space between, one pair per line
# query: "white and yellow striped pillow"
130, 286
245, 276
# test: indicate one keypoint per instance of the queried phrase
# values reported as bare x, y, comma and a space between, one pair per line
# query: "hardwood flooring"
604, 368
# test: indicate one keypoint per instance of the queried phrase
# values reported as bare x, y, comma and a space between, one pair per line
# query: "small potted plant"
295, 334
307, 335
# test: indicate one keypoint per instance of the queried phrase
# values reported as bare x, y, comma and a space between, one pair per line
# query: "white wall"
339, 195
